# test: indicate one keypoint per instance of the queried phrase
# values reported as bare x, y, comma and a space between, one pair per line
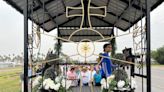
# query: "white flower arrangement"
49, 84
105, 83
66, 83
112, 84
110, 78
105, 86
36, 81
58, 79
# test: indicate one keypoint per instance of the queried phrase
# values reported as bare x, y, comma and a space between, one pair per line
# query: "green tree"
158, 55
58, 47
1, 58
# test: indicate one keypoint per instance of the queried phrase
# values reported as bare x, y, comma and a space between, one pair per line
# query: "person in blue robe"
106, 64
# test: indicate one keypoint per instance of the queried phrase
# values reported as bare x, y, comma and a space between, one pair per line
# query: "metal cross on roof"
86, 8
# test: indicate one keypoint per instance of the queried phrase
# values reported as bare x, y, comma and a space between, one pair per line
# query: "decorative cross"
86, 8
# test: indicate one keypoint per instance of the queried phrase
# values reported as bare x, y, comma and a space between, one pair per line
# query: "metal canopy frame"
65, 32
113, 18
26, 47
25, 12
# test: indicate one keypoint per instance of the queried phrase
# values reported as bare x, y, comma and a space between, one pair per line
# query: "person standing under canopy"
106, 63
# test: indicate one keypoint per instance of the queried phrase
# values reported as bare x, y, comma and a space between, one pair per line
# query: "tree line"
158, 55
11, 58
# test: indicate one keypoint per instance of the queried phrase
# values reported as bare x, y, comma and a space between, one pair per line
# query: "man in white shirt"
91, 73
85, 76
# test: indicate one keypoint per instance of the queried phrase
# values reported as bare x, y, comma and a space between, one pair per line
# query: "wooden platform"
86, 89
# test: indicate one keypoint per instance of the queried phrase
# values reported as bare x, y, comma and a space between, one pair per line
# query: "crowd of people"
84, 75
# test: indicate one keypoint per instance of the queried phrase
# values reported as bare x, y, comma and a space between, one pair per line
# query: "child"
97, 78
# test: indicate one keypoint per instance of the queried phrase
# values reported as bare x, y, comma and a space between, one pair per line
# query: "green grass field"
10, 79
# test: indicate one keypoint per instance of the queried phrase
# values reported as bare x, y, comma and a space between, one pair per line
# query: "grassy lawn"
10, 79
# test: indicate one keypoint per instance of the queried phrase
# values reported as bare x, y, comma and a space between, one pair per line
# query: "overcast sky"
11, 33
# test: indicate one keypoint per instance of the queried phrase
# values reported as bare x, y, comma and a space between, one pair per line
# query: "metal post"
58, 41
85, 12
148, 55
132, 66
58, 52
26, 46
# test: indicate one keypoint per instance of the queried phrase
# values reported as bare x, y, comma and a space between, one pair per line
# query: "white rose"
48, 83
105, 86
110, 78
68, 83
56, 87
51, 86
45, 82
63, 82
46, 87
49, 80
120, 84
58, 84
103, 81
36, 81
57, 79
